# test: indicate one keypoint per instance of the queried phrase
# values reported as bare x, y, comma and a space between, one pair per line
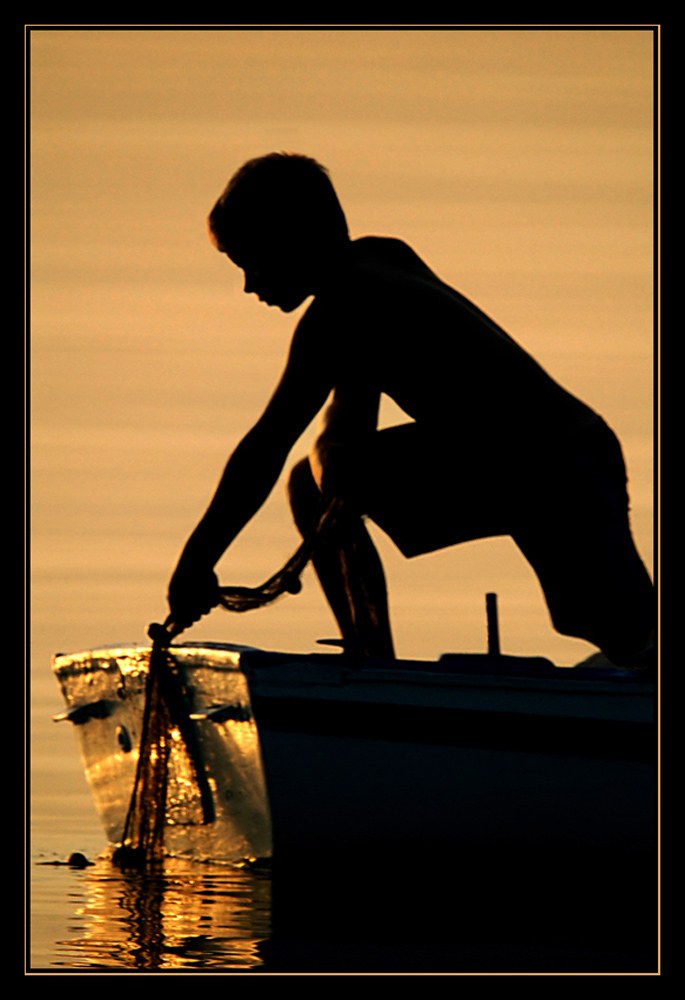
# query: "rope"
287, 580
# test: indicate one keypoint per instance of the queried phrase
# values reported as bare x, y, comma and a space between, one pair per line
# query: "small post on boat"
493, 624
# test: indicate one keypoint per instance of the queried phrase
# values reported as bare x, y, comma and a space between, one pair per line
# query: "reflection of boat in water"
482, 750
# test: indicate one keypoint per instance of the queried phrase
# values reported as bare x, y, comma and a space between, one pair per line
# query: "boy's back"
397, 327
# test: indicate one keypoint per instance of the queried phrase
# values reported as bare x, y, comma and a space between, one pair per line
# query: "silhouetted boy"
494, 447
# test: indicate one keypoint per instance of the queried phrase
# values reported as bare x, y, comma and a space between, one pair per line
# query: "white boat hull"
104, 691
310, 755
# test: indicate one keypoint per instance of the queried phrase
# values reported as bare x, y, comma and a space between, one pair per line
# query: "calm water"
413, 916
186, 917
518, 164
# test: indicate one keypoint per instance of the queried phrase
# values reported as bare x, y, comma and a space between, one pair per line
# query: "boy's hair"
279, 192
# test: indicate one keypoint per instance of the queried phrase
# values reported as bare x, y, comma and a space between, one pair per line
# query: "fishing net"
143, 839
287, 580
166, 711
165, 722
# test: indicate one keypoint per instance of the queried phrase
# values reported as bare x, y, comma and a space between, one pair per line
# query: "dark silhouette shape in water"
75, 860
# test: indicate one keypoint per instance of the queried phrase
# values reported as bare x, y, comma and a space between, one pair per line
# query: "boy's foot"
644, 662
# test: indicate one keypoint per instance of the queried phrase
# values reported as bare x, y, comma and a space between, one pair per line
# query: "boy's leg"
576, 534
403, 483
596, 589
349, 570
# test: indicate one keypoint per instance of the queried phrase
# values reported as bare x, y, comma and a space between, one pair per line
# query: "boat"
477, 811
318, 754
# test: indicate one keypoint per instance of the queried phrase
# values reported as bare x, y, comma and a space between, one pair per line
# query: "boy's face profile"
274, 271
280, 221
273, 281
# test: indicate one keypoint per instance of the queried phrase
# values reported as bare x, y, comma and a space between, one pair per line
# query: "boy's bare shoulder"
385, 258
375, 283
374, 267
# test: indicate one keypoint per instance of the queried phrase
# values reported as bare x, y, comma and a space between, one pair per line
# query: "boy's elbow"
265, 446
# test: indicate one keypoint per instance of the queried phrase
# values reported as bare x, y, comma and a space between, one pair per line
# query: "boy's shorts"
567, 510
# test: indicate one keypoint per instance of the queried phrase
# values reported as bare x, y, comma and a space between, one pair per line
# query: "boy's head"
279, 212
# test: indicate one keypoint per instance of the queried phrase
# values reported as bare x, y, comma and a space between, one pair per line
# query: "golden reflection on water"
185, 916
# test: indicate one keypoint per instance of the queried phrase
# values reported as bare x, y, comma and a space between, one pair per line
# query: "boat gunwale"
517, 673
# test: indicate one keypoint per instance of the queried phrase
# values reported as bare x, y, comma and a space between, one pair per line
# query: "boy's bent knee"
336, 467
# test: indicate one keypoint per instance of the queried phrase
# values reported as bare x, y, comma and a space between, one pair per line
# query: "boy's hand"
192, 593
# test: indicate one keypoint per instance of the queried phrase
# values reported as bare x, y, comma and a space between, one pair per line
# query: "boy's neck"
331, 264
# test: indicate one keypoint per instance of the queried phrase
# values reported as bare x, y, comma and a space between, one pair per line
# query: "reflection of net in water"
178, 916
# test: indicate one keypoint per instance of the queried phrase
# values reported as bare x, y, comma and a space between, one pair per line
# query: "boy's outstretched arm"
247, 480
